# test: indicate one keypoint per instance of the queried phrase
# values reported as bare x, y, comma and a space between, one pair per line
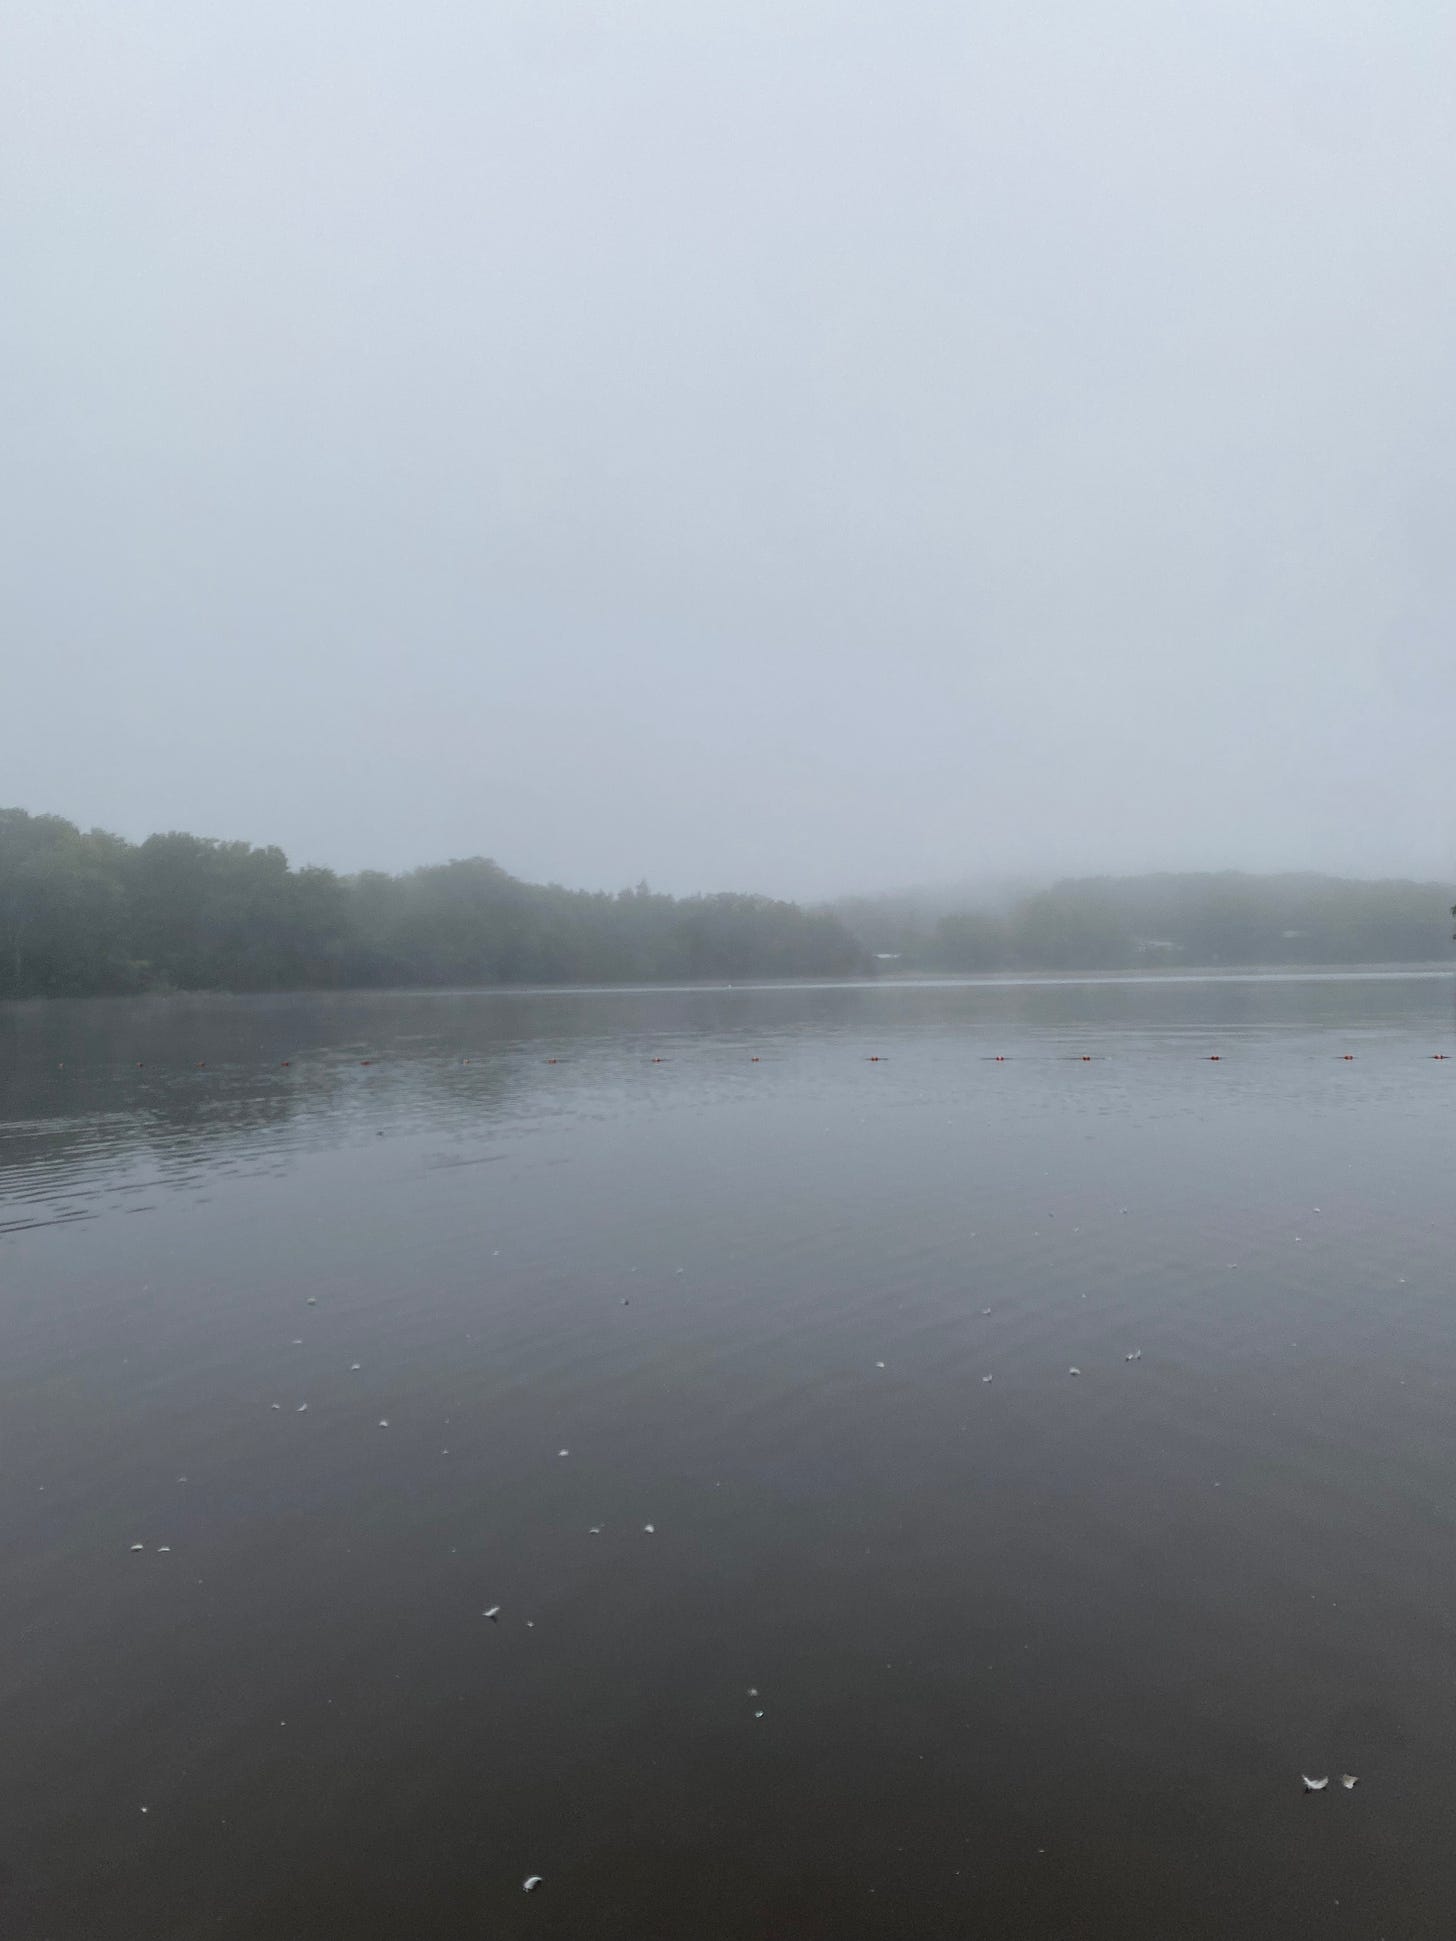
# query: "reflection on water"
1032, 1655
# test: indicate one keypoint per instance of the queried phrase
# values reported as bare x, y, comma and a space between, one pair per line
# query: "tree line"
87, 913
1146, 922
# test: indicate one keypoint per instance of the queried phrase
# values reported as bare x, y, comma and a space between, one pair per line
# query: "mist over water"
650, 502
1039, 1654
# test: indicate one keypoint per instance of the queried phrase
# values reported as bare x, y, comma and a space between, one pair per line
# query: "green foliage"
90, 913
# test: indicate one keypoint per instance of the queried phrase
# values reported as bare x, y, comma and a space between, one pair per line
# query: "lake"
724, 1341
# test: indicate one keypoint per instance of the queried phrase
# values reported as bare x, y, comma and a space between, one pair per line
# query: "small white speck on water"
1136, 1355
296, 1344
531, 1883
384, 1421
650, 1529
595, 1530
164, 1549
146, 1809
1074, 1371
563, 1452
302, 1409
181, 1479
355, 1366
879, 1364
985, 1310
985, 1378
493, 1613
313, 1300
1315, 1785
758, 1715
139, 1546
275, 1405
1349, 1780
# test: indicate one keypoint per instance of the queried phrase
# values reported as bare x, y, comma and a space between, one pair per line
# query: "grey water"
929, 1637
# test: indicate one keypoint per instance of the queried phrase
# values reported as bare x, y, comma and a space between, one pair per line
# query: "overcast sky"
745, 443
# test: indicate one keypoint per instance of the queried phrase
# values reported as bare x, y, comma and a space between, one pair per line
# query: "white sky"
771, 444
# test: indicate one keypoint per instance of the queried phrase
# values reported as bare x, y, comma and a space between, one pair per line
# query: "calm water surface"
909, 1652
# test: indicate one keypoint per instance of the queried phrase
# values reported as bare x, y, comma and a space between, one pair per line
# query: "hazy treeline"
1122, 923
84, 912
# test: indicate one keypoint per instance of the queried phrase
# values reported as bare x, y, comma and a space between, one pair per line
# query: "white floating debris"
181, 1479
302, 1409
1074, 1371
753, 1691
758, 1715
275, 1405
985, 1310
298, 1343
146, 1809
1315, 1785
164, 1549
595, 1530
139, 1546
531, 1883
1348, 1780
650, 1529
355, 1366
985, 1378
493, 1613
563, 1452
384, 1421
313, 1300
879, 1364
1136, 1355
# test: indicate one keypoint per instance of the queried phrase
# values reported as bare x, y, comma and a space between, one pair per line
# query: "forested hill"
86, 913
1131, 922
